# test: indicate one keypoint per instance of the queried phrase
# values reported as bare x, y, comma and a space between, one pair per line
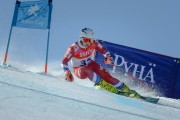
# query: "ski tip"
150, 99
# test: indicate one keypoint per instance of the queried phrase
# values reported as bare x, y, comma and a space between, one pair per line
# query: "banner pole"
47, 52
7, 48
47, 49
9, 38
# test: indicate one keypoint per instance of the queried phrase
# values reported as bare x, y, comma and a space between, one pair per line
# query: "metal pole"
7, 48
9, 38
47, 52
47, 49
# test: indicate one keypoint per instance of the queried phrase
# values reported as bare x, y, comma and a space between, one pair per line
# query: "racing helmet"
87, 33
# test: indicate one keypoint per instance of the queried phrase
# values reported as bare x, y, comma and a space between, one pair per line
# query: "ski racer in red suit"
81, 54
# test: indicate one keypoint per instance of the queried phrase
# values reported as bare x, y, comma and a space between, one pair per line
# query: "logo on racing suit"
83, 54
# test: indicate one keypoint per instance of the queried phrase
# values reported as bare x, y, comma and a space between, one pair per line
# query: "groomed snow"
27, 95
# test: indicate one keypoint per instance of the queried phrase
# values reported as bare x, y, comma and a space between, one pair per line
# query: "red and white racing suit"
82, 60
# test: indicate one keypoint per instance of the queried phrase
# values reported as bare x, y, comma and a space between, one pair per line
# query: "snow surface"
26, 95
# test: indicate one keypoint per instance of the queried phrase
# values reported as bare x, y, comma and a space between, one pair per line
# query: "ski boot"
106, 86
126, 91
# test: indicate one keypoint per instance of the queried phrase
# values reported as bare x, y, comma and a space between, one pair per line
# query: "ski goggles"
86, 40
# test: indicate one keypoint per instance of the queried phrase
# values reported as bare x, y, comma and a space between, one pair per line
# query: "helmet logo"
84, 30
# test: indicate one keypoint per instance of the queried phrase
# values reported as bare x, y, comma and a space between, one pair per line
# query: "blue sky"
151, 25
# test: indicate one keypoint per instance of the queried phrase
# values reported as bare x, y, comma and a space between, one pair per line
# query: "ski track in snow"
20, 86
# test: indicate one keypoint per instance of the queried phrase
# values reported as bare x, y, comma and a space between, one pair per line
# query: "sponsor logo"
83, 54
33, 10
33, 15
32, 22
141, 72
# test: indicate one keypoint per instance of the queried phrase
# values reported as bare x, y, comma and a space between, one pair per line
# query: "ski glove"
68, 76
108, 60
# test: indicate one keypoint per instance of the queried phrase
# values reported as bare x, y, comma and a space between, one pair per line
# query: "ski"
150, 99
138, 96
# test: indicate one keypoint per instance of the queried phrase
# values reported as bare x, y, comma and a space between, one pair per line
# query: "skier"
81, 54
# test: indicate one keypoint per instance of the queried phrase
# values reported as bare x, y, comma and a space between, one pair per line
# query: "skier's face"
87, 41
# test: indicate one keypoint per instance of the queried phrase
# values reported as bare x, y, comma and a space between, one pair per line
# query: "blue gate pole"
47, 49
7, 48
47, 52
9, 38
